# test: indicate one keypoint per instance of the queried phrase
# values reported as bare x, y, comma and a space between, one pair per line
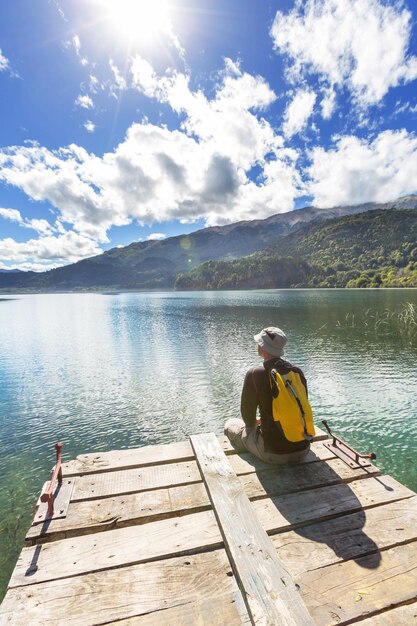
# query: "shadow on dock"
338, 519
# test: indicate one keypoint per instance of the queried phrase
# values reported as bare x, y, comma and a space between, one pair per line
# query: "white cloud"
200, 171
156, 237
358, 44
59, 9
47, 251
75, 43
328, 103
30, 266
298, 112
94, 83
144, 77
227, 123
62, 179
405, 107
253, 92
11, 214
356, 169
39, 225
89, 126
120, 81
4, 62
85, 102
6, 67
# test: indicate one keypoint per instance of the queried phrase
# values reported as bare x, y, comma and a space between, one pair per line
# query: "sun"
140, 21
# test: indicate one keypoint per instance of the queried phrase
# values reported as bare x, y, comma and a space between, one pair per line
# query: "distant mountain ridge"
156, 264
10, 271
372, 249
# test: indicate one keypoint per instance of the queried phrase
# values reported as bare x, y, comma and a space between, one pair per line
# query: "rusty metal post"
336, 440
48, 496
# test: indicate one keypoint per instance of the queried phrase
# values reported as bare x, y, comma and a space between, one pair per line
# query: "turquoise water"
102, 372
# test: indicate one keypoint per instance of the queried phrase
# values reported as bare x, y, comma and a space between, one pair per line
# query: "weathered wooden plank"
116, 548
91, 486
90, 516
125, 459
282, 478
246, 463
400, 616
296, 509
345, 591
215, 611
99, 462
299, 477
94, 486
123, 593
348, 537
196, 531
106, 513
270, 594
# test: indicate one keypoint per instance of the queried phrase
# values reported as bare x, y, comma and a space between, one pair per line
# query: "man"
266, 438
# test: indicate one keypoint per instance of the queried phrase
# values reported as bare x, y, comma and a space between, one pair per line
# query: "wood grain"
347, 537
400, 616
279, 512
90, 516
296, 509
117, 511
344, 592
98, 462
109, 484
221, 610
116, 548
123, 593
271, 596
196, 531
299, 477
246, 463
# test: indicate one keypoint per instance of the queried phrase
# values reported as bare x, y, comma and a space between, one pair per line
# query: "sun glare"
140, 21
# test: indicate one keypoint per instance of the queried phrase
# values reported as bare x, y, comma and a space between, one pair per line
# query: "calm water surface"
102, 372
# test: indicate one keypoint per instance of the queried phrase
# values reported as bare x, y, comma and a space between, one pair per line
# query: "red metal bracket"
56, 479
344, 448
56, 494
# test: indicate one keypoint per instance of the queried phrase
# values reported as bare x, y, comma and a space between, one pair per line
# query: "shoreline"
114, 292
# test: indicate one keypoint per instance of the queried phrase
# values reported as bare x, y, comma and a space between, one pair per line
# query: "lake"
111, 371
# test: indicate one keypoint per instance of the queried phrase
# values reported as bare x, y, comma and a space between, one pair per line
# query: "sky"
136, 120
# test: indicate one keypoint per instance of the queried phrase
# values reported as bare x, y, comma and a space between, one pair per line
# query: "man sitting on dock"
279, 389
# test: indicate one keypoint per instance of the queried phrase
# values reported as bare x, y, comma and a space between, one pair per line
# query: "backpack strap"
273, 381
300, 406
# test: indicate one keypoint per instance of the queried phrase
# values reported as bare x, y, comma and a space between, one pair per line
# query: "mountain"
156, 264
10, 271
377, 248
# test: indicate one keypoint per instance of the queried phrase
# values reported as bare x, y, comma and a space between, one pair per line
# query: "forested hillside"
373, 249
306, 247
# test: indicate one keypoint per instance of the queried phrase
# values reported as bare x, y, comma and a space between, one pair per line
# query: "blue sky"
128, 120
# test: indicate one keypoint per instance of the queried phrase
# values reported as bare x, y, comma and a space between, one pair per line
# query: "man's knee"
233, 429
234, 426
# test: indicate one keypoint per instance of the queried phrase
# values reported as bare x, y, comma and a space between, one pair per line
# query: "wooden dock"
194, 533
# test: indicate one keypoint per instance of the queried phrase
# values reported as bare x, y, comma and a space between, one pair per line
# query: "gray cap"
272, 340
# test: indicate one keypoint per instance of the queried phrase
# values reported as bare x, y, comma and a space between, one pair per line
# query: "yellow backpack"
290, 406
